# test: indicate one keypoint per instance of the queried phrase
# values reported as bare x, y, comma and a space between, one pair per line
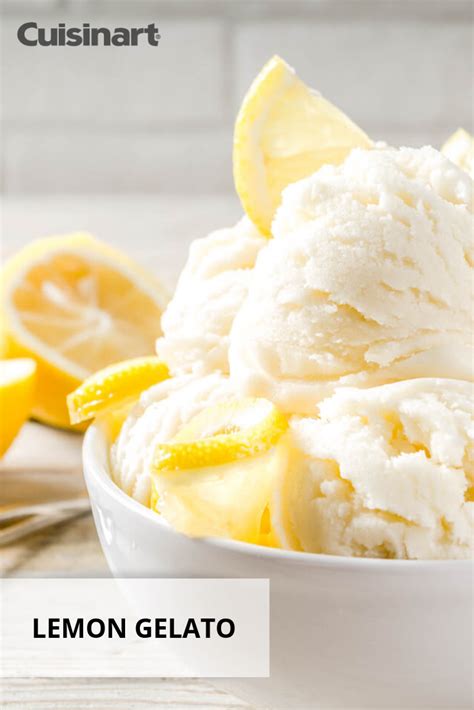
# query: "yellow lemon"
75, 305
222, 434
284, 132
17, 382
459, 148
215, 476
112, 387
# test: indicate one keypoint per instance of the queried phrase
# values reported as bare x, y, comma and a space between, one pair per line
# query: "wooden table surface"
157, 231
73, 549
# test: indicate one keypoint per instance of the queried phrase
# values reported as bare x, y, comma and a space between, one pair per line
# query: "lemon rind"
113, 386
220, 449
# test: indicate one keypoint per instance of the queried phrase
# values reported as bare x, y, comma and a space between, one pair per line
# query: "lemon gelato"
383, 472
355, 320
320, 393
212, 286
368, 280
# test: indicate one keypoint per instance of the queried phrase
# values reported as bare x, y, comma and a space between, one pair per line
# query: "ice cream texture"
368, 280
383, 472
211, 289
355, 319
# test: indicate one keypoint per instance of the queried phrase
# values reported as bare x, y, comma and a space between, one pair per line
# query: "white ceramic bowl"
345, 632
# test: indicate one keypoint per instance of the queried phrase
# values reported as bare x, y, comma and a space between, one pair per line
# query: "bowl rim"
96, 466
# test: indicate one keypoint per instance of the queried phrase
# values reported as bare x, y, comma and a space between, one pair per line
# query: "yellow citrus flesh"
113, 386
75, 305
17, 383
284, 132
215, 476
459, 148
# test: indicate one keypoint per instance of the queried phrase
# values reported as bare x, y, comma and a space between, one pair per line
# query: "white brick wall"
147, 119
109, 86
115, 160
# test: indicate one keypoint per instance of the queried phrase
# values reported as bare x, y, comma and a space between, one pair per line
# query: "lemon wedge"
112, 387
215, 476
75, 305
285, 131
17, 382
459, 148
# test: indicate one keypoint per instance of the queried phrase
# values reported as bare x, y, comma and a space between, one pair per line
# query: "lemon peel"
215, 437
112, 386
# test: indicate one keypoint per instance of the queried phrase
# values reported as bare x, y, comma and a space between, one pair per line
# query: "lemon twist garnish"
284, 132
222, 434
113, 386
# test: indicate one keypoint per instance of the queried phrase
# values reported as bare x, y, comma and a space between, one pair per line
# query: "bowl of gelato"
345, 631
354, 323
308, 416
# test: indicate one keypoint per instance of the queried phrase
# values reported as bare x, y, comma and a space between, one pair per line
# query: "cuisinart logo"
86, 36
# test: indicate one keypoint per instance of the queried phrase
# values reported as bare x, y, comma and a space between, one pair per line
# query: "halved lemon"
459, 148
215, 476
284, 132
114, 386
75, 305
17, 383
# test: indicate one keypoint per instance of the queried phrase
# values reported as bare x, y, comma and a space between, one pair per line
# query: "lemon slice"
459, 148
284, 132
75, 305
223, 434
17, 381
215, 476
113, 386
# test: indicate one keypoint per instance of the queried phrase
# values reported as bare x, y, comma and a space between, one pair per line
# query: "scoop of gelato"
160, 413
384, 472
368, 280
210, 291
